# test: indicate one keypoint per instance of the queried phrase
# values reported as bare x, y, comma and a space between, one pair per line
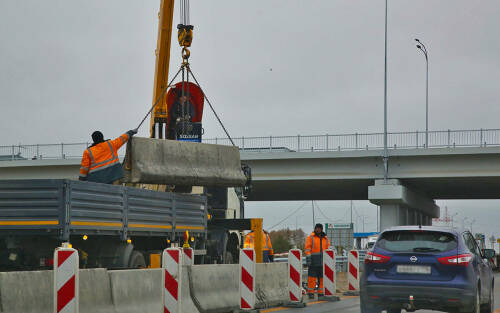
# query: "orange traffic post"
256, 226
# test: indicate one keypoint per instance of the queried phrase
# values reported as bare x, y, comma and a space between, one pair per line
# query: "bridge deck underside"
357, 189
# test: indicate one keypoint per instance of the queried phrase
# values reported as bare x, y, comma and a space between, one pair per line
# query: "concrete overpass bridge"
459, 165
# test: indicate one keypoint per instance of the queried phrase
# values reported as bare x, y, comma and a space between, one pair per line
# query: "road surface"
351, 304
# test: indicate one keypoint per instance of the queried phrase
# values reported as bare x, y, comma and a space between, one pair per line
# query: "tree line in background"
285, 239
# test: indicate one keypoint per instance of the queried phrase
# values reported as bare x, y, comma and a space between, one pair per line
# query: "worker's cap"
97, 136
318, 225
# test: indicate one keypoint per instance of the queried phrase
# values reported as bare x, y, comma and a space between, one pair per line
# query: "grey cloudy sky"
280, 67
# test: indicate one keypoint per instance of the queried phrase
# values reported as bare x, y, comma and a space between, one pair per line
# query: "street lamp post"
422, 48
386, 152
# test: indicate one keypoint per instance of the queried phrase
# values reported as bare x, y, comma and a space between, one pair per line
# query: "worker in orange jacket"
316, 243
100, 161
267, 247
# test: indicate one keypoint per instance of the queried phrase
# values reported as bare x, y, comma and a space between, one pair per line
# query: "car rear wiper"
425, 249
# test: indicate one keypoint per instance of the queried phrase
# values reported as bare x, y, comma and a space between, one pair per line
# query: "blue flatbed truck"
112, 226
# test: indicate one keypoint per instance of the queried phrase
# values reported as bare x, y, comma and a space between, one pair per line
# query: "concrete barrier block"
140, 291
215, 287
27, 292
271, 284
187, 304
33, 292
136, 290
95, 291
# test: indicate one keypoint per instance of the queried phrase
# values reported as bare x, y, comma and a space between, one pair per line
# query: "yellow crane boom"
162, 52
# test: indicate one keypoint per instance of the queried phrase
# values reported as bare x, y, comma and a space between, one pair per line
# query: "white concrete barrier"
37, 286
271, 284
215, 287
95, 291
204, 289
136, 290
17, 287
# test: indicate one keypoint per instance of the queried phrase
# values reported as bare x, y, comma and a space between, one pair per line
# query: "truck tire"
228, 258
137, 260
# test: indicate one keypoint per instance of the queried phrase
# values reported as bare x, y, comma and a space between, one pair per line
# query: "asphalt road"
351, 304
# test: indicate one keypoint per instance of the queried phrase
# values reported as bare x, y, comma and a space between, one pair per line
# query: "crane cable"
211, 107
184, 12
159, 98
186, 70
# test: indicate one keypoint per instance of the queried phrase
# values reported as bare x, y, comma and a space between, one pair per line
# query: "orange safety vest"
315, 245
266, 242
100, 163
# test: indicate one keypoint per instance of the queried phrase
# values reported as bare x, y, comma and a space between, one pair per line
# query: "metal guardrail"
299, 143
341, 261
365, 141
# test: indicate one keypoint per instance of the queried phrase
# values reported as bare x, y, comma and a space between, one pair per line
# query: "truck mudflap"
170, 162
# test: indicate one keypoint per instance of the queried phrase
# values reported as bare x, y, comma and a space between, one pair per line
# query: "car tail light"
372, 257
460, 260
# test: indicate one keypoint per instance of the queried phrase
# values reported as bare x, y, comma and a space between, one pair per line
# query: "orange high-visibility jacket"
315, 245
100, 163
266, 242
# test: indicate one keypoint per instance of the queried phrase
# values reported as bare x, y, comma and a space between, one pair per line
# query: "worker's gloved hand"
308, 260
132, 132
82, 178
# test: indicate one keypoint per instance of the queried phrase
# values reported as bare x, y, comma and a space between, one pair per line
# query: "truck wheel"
137, 260
228, 259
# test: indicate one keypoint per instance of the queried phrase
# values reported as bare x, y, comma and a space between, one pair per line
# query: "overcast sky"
280, 67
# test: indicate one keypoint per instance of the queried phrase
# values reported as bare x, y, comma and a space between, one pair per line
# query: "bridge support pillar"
400, 205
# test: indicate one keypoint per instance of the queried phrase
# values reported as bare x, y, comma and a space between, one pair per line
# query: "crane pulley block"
185, 35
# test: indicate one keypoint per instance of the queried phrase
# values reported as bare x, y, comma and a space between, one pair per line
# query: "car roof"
447, 229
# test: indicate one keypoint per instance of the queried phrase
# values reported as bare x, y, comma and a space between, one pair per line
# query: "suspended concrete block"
170, 162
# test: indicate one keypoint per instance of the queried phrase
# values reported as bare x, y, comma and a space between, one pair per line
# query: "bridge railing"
299, 143
366, 141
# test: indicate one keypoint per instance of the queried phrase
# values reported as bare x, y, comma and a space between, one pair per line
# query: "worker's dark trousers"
265, 256
315, 274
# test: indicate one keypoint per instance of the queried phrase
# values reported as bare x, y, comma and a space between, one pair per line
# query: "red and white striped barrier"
353, 273
247, 279
171, 280
295, 275
66, 280
188, 256
329, 279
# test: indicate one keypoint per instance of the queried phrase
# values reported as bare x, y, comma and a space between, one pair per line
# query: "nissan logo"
413, 259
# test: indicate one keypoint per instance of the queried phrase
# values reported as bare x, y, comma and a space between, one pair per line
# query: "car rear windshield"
417, 241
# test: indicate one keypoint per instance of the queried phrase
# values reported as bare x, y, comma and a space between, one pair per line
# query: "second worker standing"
316, 243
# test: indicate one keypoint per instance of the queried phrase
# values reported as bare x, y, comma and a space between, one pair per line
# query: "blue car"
425, 267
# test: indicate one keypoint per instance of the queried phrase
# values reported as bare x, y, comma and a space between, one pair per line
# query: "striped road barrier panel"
66, 281
329, 279
188, 256
247, 279
295, 279
171, 280
353, 272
